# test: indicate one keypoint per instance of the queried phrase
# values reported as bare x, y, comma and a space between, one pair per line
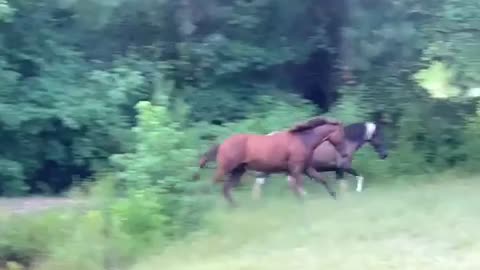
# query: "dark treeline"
72, 72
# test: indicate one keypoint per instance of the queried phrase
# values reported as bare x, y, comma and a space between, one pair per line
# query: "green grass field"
428, 224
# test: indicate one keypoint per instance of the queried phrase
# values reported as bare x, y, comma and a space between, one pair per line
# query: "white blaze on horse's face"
369, 130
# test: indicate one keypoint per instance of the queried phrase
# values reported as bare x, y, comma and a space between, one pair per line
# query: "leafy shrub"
25, 239
156, 176
147, 200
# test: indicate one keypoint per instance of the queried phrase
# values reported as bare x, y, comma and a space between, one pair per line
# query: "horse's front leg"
310, 171
357, 176
257, 186
339, 173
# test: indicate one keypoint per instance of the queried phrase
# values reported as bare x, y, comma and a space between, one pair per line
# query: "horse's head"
375, 136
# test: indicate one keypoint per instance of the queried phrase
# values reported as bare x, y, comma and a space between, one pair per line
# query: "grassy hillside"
414, 224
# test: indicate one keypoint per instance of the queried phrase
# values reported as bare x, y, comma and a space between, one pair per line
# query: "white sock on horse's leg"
290, 179
257, 188
301, 190
260, 181
359, 183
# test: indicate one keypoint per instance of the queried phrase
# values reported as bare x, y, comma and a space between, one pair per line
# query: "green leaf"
437, 80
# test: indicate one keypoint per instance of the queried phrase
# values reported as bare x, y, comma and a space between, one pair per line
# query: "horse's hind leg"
233, 180
219, 175
318, 178
227, 184
295, 180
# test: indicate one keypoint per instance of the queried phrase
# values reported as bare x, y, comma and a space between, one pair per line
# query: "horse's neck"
356, 143
354, 146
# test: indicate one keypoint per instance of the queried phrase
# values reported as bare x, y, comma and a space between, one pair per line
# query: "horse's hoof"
334, 195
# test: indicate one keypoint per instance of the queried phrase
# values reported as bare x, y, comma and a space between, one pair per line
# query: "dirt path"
33, 204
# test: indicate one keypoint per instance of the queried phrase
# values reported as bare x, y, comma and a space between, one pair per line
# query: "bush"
156, 176
26, 239
107, 234
148, 199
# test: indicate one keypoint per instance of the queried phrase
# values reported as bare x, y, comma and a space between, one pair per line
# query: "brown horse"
325, 157
283, 152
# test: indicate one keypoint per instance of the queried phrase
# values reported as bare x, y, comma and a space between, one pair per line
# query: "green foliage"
6, 11
105, 231
12, 173
134, 87
268, 110
232, 63
71, 73
25, 239
437, 80
453, 37
471, 147
263, 119
67, 116
121, 228
350, 108
157, 175
408, 157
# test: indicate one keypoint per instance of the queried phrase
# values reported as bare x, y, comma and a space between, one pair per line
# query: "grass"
427, 224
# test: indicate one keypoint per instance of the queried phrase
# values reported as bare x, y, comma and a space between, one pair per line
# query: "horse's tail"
208, 156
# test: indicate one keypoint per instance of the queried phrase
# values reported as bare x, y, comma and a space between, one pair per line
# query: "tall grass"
429, 224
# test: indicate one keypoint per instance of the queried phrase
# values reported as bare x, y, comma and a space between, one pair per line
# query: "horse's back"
278, 141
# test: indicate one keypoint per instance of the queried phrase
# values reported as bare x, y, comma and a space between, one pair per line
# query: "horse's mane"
313, 123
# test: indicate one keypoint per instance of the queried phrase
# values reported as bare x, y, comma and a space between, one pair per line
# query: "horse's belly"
266, 166
268, 163
324, 156
324, 164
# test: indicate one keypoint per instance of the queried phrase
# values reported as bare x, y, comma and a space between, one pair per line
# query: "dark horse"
283, 152
325, 158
